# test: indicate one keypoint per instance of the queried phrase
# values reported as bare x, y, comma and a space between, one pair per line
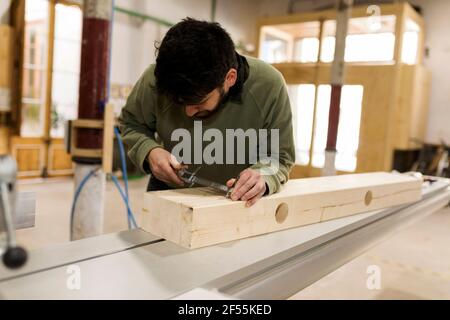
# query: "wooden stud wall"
395, 101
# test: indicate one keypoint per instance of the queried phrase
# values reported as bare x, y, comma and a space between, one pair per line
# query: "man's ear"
230, 78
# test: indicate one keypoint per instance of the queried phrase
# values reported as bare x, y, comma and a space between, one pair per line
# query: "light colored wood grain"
395, 101
6, 56
6, 67
108, 139
60, 162
377, 80
200, 217
87, 124
330, 14
4, 140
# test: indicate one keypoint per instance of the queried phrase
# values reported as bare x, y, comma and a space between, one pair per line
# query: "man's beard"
206, 113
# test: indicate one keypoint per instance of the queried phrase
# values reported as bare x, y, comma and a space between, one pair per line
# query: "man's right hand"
164, 166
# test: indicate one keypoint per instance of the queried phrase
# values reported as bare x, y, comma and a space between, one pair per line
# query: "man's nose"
191, 110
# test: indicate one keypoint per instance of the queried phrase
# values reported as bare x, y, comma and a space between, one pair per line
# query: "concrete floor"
414, 264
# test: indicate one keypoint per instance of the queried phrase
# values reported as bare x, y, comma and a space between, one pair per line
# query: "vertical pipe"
316, 95
213, 10
17, 21
49, 84
93, 94
337, 79
88, 215
95, 55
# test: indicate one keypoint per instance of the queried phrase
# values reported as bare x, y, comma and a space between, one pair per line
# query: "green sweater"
148, 120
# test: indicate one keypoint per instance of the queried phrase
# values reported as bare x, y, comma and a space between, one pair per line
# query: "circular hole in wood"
368, 198
282, 212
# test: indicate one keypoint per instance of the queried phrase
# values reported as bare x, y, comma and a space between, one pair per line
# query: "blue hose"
131, 221
125, 196
125, 177
123, 159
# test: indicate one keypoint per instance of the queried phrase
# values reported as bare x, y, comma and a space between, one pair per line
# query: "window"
66, 67
410, 45
367, 40
321, 125
302, 102
275, 45
34, 68
306, 50
298, 42
349, 125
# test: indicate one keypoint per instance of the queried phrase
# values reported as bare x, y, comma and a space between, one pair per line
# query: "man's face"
209, 104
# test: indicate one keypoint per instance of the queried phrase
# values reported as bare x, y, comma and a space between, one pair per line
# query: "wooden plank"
18, 23
199, 217
60, 162
6, 67
108, 139
377, 82
359, 11
87, 123
49, 84
89, 153
4, 140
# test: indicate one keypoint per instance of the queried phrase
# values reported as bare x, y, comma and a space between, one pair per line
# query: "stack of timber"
199, 217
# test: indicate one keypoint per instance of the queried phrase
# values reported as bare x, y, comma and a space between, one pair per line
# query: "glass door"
65, 82
51, 63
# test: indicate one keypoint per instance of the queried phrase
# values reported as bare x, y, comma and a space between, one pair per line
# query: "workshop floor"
414, 264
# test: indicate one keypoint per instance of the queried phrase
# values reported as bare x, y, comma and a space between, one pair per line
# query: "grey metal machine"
135, 264
13, 256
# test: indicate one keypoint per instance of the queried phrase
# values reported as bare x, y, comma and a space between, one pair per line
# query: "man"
200, 82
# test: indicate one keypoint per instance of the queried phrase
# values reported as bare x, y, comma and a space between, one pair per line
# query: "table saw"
137, 265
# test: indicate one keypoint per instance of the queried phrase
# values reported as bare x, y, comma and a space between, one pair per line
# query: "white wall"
437, 21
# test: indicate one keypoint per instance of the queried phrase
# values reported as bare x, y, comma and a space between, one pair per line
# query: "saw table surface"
137, 265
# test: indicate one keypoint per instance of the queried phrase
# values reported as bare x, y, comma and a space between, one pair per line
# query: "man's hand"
249, 187
164, 166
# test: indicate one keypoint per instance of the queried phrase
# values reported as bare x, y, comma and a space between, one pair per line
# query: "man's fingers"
247, 180
171, 175
160, 175
174, 163
257, 189
243, 177
253, 200
241, 187
231, 182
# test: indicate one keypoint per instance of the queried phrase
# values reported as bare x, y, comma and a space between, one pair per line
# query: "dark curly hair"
193, 60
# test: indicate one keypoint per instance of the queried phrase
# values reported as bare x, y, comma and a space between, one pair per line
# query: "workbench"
137, 265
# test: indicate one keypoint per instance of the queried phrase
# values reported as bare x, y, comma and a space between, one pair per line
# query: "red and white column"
93, 95
344, 8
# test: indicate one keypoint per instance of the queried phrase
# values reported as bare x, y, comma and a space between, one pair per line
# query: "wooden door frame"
49, 85
18, 22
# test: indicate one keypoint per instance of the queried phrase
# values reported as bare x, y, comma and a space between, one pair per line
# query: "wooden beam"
198, 217
108, 139
359, 11
17, 17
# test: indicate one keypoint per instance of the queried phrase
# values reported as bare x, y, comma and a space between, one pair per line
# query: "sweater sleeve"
138, 127
279, 118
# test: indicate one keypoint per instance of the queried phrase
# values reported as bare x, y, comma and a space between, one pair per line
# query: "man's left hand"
249, 187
